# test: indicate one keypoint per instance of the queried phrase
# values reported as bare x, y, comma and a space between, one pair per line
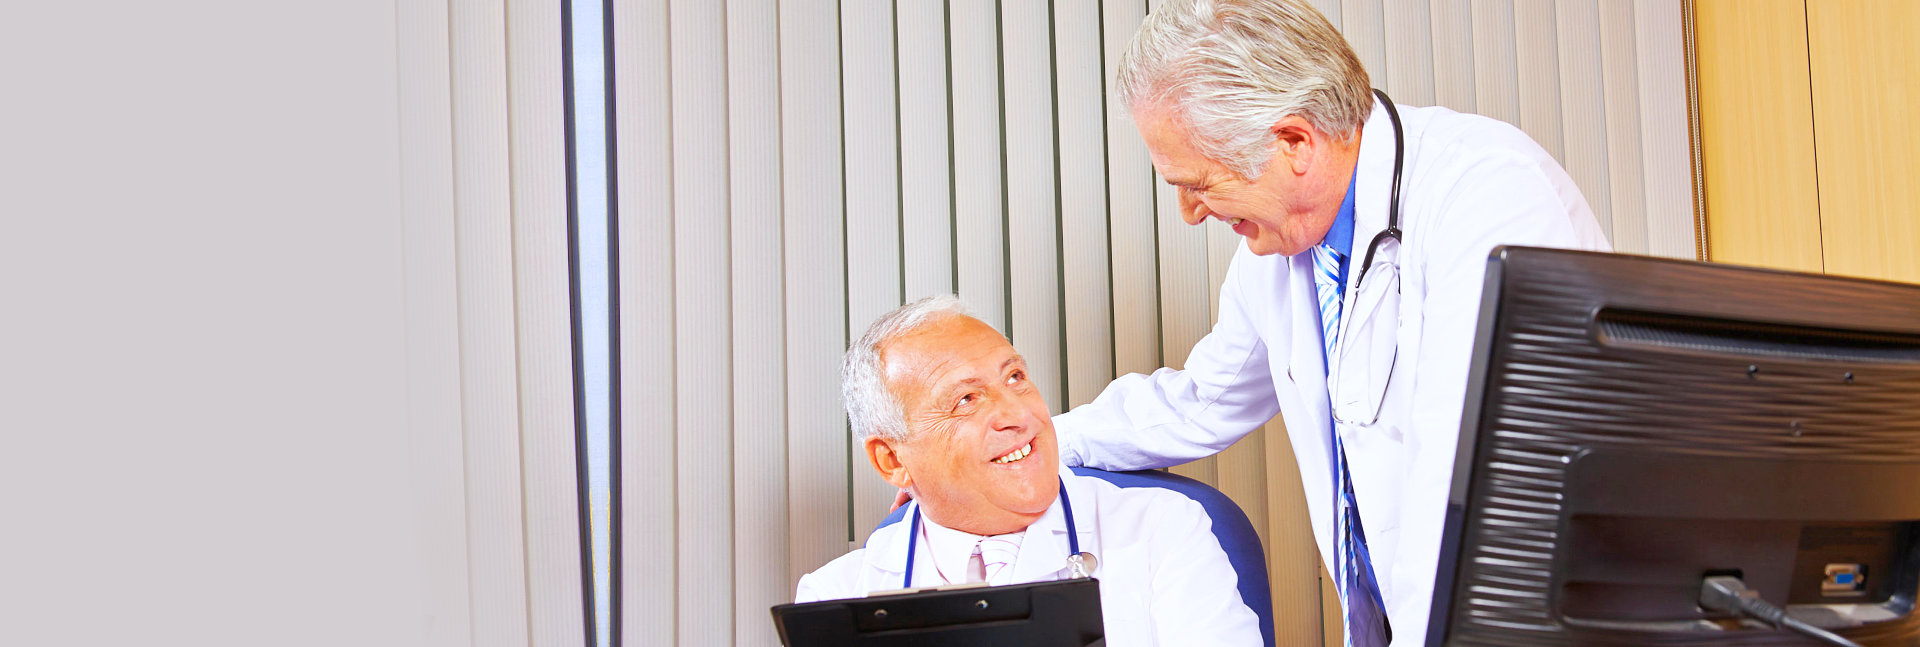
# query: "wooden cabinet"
1809, 153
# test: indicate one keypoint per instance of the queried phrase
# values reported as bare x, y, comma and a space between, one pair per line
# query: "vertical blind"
789, 170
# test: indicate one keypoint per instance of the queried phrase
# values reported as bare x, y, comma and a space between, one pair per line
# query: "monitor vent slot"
1662, 331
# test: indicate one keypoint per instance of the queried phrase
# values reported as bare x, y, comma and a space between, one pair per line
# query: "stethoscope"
1340, 390
1079, 564
1393, 207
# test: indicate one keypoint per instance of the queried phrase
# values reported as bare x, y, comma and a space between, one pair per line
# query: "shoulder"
836, 580
1153, 508
1480, 177
1437, 129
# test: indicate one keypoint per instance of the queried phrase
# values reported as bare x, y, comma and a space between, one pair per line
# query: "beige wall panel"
1131, 211
544, 326
1410, 53
1452, 26
1496, 80
1086, 288
1666, 146
643, 129
1583, 105
1626, 186
874, 274
926, 145
1293, 561
1756, 127
1033, 195
1364, 23
816, 315
702, 308
759, 511
489, 405
1536, 49
1329, 8
980, 199
1865, 77
433, 320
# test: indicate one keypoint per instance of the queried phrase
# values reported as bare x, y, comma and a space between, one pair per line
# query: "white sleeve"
1171, 417
1196, 594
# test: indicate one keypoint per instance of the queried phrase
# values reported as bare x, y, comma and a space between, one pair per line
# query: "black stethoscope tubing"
913, 533
1393, 207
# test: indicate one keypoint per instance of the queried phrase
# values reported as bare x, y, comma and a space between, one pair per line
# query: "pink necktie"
996, 555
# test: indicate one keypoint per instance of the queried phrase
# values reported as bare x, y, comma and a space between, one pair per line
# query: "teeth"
1016, 455
1233, 222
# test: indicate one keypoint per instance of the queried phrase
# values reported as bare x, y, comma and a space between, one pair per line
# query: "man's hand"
899, 500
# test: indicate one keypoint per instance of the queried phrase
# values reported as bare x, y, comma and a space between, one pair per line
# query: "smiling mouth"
1015, 455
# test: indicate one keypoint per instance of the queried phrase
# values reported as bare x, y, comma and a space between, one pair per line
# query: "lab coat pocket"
1370, 343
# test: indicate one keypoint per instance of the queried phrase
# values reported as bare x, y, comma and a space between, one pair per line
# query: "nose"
1193, 210
1009, 415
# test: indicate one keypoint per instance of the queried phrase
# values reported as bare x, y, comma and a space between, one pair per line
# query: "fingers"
899, 499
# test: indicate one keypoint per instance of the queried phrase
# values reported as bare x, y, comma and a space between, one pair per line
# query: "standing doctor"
1350, 310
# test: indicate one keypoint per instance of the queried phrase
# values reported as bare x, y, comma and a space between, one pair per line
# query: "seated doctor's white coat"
1163, 578
1470, 183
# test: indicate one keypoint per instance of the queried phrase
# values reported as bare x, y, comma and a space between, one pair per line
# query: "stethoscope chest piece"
1081, 564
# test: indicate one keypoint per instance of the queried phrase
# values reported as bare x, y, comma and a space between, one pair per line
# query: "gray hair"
871, 407
1230, 69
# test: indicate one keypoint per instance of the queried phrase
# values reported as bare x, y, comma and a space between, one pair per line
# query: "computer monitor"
1634, 425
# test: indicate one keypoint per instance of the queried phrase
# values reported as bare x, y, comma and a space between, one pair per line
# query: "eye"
1016, 377
965, 400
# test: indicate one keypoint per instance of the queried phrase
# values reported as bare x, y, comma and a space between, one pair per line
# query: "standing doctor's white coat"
1470, 183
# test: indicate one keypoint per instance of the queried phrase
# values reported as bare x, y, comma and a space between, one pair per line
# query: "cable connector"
1726, 593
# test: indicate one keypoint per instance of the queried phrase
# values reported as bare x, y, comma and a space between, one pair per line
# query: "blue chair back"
1230, 526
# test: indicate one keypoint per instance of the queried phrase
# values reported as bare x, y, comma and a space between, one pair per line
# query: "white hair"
1230, 69
871, 407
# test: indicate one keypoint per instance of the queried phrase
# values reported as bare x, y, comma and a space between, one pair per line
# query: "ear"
886, 460
1296, 143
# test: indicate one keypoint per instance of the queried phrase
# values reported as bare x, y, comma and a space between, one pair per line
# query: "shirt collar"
949, 549
1340, 236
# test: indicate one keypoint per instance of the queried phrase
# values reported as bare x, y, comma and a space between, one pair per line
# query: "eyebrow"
974, 381
1182, 181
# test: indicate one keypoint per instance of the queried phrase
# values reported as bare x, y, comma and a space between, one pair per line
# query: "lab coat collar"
1371, 188
1042, 552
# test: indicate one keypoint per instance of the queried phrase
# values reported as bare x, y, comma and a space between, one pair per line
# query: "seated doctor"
947, 412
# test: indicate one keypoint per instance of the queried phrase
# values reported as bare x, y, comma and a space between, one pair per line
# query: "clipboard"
1064, 613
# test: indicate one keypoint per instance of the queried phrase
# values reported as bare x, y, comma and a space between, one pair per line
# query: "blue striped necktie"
1353, 569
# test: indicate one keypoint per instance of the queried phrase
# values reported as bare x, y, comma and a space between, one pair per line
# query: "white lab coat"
1470, 183
1163, 578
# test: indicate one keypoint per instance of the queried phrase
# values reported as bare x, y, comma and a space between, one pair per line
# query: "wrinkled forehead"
942, 354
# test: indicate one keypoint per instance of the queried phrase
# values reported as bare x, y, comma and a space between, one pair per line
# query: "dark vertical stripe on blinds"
614, 561
581, 457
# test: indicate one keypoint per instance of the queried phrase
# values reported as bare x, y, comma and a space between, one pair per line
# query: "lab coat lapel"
886, 552
1362, 361
1370, 196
